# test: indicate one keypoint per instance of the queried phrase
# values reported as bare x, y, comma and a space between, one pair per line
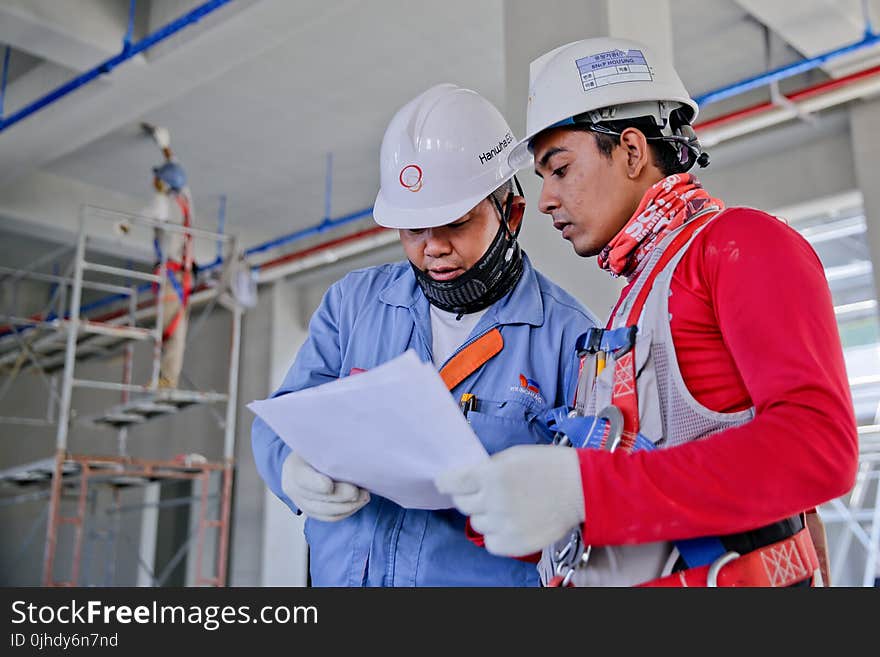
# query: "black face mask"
495, 274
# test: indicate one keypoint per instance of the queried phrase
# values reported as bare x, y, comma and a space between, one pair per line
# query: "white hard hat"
442, 153
611, 78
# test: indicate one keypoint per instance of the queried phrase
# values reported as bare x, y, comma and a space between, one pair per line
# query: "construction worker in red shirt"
713, 412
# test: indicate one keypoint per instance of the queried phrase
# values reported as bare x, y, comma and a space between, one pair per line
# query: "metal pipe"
119, 271
14, 320
107, 385
64, 406
298, 255
72, 332
787, 71
131, 332
295, 263
126, 40
200, 540
160, 321
327, 224
812, 99
108, 65
826, 86
872, 559
328, 186
33, 265
55, 278
127, 366
232, 388
168, 226
221, 226
223, 526
107, 301
26, 421
5, 76
78, 522
53, 522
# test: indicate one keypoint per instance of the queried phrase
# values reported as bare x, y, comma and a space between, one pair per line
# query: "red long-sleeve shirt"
753, 324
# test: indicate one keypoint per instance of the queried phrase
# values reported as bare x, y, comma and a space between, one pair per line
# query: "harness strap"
624, 392
471, 358
687, 231
182, 288
183, 204
784, 563
185, 267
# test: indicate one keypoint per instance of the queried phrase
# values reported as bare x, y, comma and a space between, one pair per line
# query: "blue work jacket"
375, 314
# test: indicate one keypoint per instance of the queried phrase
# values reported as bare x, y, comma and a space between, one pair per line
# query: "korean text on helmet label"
613, 67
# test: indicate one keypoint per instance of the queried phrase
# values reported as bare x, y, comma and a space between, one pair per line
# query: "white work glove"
522, 499
316, 494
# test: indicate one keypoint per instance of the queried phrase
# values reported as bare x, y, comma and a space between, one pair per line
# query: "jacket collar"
521, 306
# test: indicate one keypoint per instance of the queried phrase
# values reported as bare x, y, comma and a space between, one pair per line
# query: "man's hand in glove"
522, 499
316, 494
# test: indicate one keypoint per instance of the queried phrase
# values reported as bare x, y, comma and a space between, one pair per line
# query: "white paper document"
390, 430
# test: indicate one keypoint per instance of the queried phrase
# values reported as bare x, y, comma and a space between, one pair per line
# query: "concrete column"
865, 138
149, 527
531, 29
643, 20
285, 552
866, 151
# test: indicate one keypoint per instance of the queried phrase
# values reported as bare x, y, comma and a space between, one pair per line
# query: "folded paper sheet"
390, 430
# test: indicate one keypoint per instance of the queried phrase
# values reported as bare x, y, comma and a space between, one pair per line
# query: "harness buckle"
717, 565
629, 340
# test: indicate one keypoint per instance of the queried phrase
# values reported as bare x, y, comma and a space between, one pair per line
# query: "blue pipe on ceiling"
4, 77
870, 39
128, 51
787, 71
327, 224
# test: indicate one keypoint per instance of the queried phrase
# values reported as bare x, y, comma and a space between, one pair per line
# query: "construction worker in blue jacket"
467, 288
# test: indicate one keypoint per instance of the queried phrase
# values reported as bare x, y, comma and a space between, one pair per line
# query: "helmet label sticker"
612, 67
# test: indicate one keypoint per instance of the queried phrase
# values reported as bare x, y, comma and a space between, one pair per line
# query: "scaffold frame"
35, 342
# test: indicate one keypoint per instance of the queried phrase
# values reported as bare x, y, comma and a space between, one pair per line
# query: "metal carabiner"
717, 565
615, 428
615, 431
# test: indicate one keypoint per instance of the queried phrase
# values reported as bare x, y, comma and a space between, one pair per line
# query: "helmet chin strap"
673, 126
494, 275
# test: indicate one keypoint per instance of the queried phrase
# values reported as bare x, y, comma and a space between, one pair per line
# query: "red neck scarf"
667, 205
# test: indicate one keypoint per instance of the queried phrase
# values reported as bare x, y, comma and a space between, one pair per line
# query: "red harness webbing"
779, 564
624, 391
184, 268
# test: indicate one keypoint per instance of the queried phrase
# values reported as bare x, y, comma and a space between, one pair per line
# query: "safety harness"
705, 561
182, 269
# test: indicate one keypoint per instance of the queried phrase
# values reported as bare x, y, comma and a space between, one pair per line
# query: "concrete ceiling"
257, 95
259, 130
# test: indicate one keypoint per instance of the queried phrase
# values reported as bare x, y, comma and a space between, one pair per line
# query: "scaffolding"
67, 332
858, 514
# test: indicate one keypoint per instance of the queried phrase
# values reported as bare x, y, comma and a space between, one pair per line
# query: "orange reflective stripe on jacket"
471, 358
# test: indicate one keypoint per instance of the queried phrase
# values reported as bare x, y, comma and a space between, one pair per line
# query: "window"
836, 229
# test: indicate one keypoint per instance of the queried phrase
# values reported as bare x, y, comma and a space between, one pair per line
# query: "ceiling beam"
77, 35
814, 27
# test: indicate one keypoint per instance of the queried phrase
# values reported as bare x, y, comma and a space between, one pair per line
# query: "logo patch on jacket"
528, 387
528, 384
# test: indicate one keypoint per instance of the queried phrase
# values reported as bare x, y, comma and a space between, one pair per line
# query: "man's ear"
638, 153
517, 210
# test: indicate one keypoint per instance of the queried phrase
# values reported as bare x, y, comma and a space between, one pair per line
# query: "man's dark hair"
500, 194
664, 154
